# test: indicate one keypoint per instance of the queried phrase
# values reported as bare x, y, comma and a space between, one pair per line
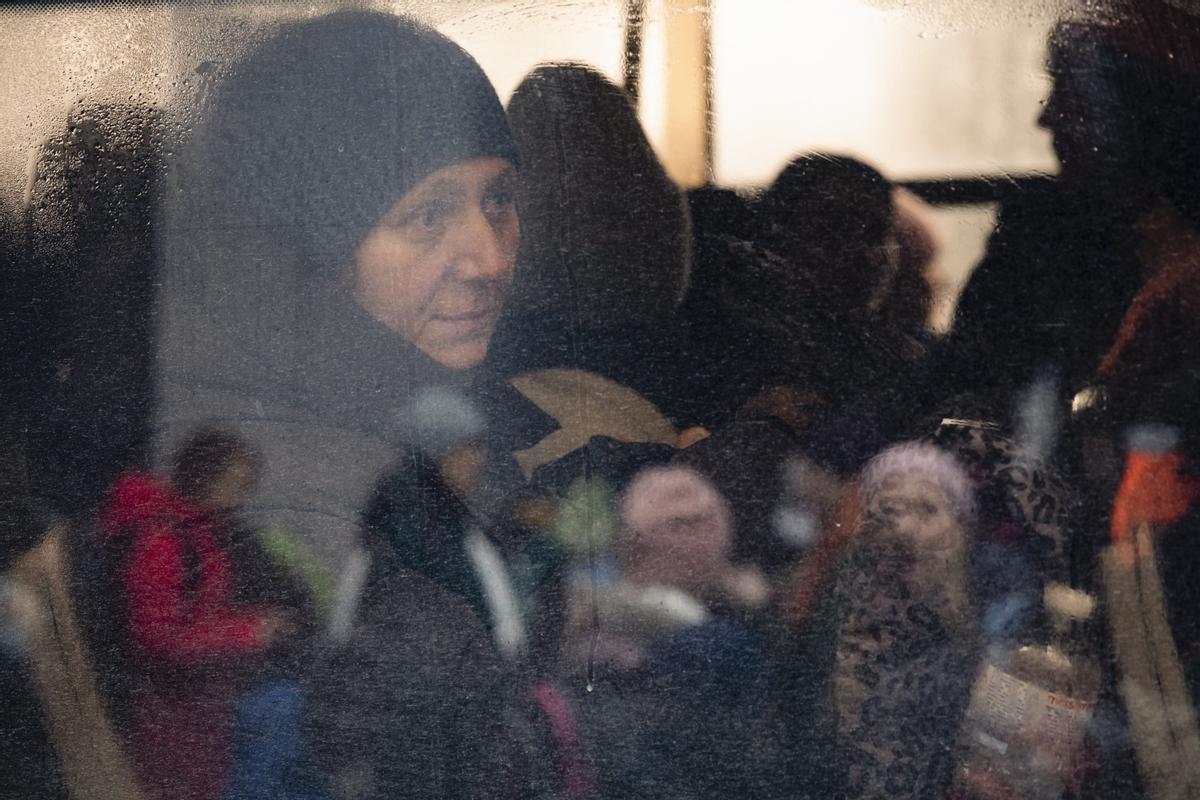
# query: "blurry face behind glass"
1087, 123
921, 541
437, 267
916, 512
231, 488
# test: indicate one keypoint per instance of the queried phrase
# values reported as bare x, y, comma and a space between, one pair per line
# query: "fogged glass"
600, 399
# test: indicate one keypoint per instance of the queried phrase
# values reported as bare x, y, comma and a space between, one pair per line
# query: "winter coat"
673, 691
508, 573
1050, 291
412, 674
186, 636
906, 660
418, 703
901, 681
418, 523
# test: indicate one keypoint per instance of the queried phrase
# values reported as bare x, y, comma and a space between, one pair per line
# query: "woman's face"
915, 512
919, 540
437, 267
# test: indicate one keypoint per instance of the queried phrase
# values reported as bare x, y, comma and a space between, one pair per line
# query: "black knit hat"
326, 124
297, 155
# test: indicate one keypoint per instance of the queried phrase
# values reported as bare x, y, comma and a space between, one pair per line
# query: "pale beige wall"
916, 96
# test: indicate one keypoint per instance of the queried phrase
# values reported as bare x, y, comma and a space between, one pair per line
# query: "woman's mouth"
470, 315
465, 324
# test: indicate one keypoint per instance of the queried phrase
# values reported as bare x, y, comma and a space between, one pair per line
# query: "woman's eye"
429, 217
498, 201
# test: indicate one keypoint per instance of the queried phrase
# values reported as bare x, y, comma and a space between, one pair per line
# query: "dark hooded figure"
340, 234
833, 218
605, 243
808, 363
1063, 266
805, 298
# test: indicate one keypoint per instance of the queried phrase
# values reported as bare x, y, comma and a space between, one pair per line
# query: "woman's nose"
908, 528
483, 250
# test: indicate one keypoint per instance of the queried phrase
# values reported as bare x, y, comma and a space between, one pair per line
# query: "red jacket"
180, 725
172, 618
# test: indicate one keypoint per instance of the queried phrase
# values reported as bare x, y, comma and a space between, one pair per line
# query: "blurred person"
1096, 267
337, 243
1144, 376
187, 638
435, 514
89, 232
1062, 266
677, 533
796, 297
907, 646
1144, 410
605, 253
807, 295
84, 373
815, 366
859, 247
1016, 540
675, 674
672, 554
1125, 120
833, 217
590, 335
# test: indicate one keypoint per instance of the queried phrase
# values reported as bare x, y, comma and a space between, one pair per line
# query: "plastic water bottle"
1023, 733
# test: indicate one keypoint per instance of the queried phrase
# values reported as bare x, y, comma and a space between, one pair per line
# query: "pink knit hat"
927, 462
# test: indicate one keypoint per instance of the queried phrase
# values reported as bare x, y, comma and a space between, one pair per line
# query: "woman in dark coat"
340, 233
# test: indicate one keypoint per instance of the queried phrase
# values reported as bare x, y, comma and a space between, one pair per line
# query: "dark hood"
298, 154
605, 233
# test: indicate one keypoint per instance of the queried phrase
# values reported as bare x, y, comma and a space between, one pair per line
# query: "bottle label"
1030, 729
